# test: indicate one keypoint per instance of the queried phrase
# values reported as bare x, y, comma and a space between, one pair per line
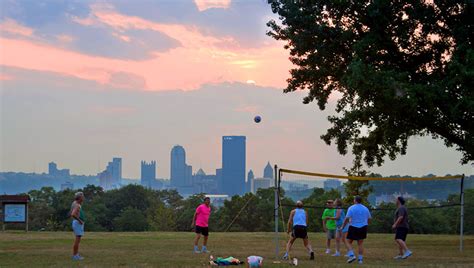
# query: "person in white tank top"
297, 226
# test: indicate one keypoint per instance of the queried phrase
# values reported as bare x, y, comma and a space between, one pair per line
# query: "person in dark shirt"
401, 226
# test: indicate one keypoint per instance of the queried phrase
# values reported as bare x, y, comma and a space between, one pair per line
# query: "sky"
84, 81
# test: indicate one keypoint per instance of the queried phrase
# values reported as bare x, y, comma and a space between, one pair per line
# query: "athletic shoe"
285, 257
204, 250
351, 259
398, 257
336, 255
311, 256
407, 254
361, 262
77, 258
328, 251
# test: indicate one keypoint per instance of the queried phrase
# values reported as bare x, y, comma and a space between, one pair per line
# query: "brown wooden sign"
14, 209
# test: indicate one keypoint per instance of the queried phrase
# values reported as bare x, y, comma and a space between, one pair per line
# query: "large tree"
400, 69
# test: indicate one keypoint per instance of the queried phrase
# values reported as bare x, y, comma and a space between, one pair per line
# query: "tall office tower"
233, 164
148, 173
181, 173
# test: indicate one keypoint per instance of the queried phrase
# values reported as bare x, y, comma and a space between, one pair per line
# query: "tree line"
135, 208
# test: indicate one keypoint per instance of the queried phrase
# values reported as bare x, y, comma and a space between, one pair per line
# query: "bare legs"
204, 243
328, 244
196, 240
344, 240
339, 236
307, 245
402, 246
290, 244
75, 248
360, 244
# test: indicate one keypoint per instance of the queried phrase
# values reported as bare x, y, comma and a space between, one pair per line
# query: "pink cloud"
13, 27
206, 4
200, 58
5, 77
122, 37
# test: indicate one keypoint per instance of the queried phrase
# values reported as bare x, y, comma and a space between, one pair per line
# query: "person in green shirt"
329, 225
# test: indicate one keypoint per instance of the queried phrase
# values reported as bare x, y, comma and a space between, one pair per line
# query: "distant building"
111, 177
148, 174
218, 200
203, 183
181, 173
296, 187
233, 164
250, 178
105, 180
67, 185
390, 198
220, 181
52, 168
332, 184
116, 170
55, 172
268, 171
261, 183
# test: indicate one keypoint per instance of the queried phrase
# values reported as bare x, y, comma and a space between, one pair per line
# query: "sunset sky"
84, 81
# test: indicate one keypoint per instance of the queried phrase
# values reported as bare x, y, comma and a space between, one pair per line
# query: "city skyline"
136, 78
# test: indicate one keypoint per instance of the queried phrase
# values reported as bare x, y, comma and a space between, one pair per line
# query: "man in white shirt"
359, 217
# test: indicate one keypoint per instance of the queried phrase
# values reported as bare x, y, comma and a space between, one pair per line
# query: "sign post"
14, 210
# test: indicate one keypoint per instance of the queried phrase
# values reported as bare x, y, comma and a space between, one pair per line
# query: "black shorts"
202, 230
299, 231
401, 233
357, 233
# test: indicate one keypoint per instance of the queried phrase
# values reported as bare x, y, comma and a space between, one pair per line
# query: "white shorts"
77, 228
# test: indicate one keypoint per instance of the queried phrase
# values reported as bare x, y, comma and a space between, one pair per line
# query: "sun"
252, 82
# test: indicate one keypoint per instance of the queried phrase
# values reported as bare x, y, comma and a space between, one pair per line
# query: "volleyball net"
423, 194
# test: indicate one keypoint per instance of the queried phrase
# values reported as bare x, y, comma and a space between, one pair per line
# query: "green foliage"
402, 69
135, 208
131, 219
356, 187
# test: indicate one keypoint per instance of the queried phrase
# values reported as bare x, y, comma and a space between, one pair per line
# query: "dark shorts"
202, 230
357, 233
401, 233
299, 231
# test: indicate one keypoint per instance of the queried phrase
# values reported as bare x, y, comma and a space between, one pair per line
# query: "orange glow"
199, 59
206, 4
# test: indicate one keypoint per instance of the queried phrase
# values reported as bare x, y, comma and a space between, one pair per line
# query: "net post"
461, 225
276, 212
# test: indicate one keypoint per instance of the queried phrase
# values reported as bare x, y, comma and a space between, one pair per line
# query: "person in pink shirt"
200, 222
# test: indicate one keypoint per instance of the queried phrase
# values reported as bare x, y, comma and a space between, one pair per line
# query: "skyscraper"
233, 164
54, 171
148, 173
250, 178
116, 171
268, 171
111, 177
52, 168
181, 173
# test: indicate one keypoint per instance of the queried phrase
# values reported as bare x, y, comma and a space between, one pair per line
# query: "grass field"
35, 249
